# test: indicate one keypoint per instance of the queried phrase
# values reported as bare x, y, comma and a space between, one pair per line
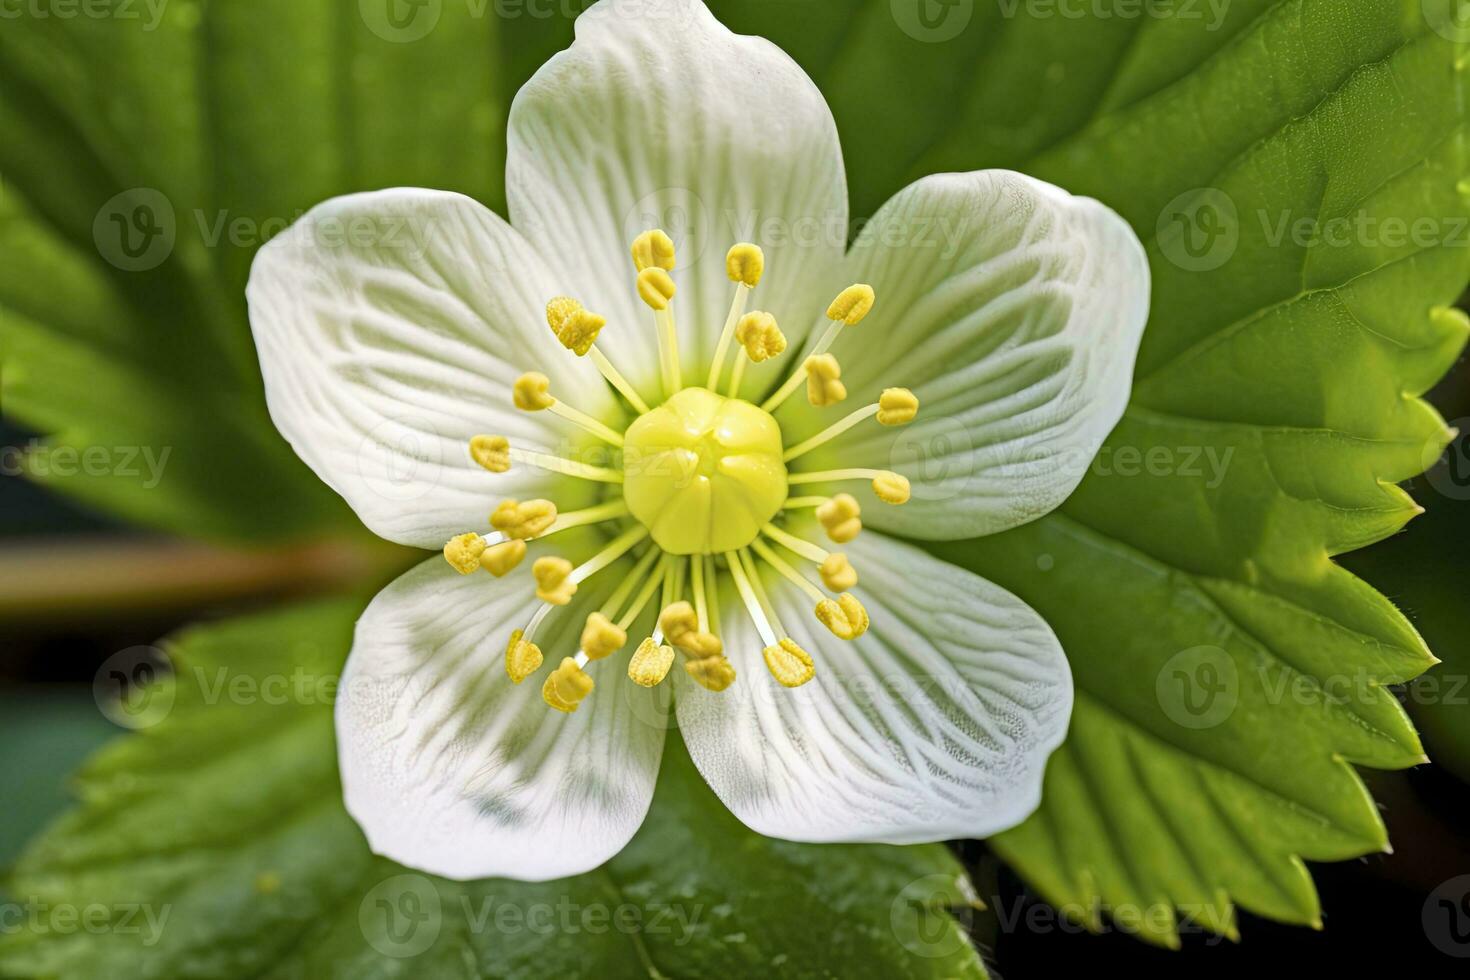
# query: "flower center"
703, 472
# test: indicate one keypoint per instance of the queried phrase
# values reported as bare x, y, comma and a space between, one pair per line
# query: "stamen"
553, 580
761, 339
615, 378
630, 582
701, 608
841, 517
712, 586
837, 572
744, 264
896, 406
609, 511
653, 248
786, 571
823, 381
533, 394
714, 673
567, 467
523, 520
463, 552
799, 503
748, 596
500, 559
801, 546
846, 618
645, 594
522, 657
567, 686
650, 663
848, 309
890, 487
615, 549
601, 637
788, 663
574, 325
678, 622
491, 452
656, 288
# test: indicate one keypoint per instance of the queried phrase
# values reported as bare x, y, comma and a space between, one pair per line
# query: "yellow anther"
897, 406
650, 663
760, 336
711, 673
532, 392
601, 637
891, 488
822, 385
653, 249
574, 325
846, 617
553, 581
567, 686
523, 520
789, 663
522, 658
841, 517
656, 287
701, 645
491, 452
745, 263
838, 573
463, 552
499, 559
852, 304
678, 621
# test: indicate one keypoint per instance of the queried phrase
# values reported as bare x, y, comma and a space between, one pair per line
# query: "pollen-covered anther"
823, 386
677, 621
522, 658
523, 520
711, 673
656, 288
845, 617
841, 517
650, 663
891, 488
491, 452
574, 325
745, 263
838, 573
701, 645
758, 333
653, 250
788, 663
567, 686
897, 406
601, 637
532, 392
463, 552
852, 304
553, 580
500, 559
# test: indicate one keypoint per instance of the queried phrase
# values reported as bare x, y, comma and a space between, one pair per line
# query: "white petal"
390, 328
1014, 311
936, 724
658, 116
451, 769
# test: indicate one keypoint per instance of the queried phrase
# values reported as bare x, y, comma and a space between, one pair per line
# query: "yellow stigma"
491, 452
891, 488
522, 658
852, 304
760, 336
745, 263
846, 618
532, 392
838, 573
601, 637
841, 517
653, 250
463, 552
567, 686
501, 558
897, 406
650, 663
711, 673
822, 385
523, 520
789, 663
656, 287
703, 473
574, 325
553, 580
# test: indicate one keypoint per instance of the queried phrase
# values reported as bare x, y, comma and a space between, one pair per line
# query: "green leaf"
214, 843
1274, 409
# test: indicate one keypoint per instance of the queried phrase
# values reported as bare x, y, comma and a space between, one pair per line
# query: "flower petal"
390, 327
937, 723
1014, 311
451, 769
658, 116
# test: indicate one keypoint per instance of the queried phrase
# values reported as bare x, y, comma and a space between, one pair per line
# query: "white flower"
399, 331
